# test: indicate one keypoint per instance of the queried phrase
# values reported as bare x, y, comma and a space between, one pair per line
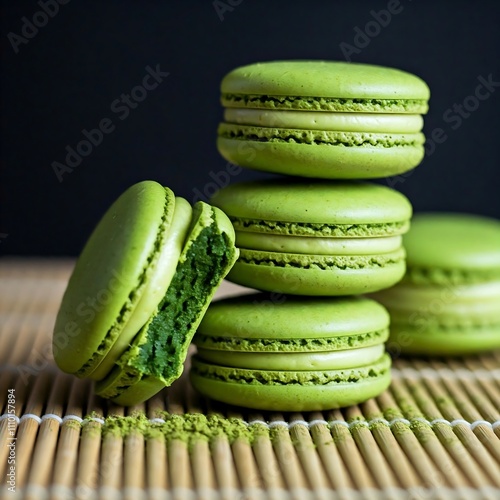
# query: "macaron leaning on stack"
322, 232
138, 291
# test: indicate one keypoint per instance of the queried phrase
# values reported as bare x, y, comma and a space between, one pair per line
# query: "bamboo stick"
413, 449
394, 455
28, 429
334, 466
445, 470
288, 461
374, 459
444, 432
245, 463
46, 443
266, 460
349, 452
482, 463
308, 456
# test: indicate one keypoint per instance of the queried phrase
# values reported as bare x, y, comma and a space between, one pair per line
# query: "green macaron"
449, 300
286, 353
139, 289
324, 119
313, 237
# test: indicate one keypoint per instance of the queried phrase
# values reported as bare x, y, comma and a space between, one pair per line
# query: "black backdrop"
66, 75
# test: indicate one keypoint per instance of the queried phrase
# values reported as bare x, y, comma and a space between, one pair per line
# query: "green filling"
319, 229
325, 103
290, 345
319, 262
318, 137
306, 378
170, 331
168, 334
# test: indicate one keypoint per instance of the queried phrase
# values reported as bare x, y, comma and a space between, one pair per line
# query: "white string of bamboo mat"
277, 423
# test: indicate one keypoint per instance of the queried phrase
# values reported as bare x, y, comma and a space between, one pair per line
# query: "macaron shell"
139, 390
110, 276
326, 390
274, 316
435, 341
477, 303
324, 79
313, 201
321, 160
300, 274
461, 242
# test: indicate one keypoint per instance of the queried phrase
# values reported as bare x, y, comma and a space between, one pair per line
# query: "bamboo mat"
434, 434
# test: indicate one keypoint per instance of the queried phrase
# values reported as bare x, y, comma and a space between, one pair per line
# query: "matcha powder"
189, 428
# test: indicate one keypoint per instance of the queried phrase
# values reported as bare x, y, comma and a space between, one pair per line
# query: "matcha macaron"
138, 291
312, 237
284, 353
449, 300
324, 119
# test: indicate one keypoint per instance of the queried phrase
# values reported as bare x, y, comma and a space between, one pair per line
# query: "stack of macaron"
314, 239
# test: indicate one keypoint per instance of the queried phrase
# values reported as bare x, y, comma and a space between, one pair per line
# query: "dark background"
66, 77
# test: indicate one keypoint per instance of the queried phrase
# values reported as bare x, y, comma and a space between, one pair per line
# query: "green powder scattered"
189, 428
277, 432
72, 424
392, 413
422, 430
378, 425
192, 428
